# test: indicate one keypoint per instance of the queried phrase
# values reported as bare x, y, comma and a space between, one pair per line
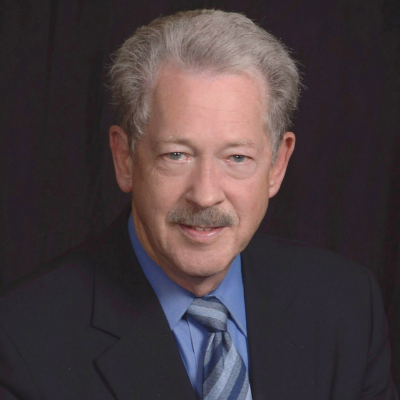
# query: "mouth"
202, 228
199, 228
201, 233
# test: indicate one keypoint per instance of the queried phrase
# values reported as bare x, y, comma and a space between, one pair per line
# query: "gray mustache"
211, 217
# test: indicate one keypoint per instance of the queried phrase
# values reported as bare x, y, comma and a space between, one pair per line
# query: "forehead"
176, 82
213, 101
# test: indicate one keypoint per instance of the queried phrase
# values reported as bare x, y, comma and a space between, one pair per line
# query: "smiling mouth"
202, 233
202, 228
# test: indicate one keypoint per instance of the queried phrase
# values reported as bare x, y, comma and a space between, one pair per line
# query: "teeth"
202, 229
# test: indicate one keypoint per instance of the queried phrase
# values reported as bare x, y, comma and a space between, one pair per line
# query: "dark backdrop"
341, 191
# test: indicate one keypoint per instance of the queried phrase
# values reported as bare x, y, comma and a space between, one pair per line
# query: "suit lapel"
144, 362
281, 327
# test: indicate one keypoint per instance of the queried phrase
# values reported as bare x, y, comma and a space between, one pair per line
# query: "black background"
341, 191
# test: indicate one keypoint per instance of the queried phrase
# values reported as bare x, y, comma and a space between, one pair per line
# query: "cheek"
158, 194
250, 201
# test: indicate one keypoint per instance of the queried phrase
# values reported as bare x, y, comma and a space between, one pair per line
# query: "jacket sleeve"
378, 382
16, 382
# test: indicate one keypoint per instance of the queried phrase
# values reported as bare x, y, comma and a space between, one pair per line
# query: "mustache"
208, 217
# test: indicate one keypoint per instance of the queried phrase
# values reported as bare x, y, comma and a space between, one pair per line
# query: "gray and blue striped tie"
224, 372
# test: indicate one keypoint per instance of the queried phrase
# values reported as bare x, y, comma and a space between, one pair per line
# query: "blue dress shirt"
190, 335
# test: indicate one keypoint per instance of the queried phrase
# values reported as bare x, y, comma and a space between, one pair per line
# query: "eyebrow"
240, 143
173, 140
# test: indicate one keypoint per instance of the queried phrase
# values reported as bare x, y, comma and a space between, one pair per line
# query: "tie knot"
210, 312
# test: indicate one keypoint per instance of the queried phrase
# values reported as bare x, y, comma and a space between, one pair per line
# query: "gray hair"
203, 41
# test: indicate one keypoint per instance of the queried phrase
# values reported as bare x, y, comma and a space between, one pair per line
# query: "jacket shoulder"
296, 256
321, 278
62, 285
68, 277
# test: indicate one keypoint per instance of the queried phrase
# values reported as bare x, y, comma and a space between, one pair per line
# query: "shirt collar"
175, 300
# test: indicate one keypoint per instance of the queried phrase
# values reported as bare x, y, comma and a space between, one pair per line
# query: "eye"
237, 158
176, 156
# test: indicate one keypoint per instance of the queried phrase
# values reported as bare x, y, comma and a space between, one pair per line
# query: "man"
177, 299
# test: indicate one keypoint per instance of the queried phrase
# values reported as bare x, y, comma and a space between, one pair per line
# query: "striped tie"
224, 372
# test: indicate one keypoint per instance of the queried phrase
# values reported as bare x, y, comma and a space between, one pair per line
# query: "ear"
279, 168
122, 157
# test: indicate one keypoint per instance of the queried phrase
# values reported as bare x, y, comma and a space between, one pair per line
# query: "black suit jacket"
89, 326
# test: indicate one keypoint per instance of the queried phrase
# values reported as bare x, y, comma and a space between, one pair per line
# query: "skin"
204, 148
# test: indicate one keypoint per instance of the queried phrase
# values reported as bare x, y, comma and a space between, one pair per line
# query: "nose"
205, 188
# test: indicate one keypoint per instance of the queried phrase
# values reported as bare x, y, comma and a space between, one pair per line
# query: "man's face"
202, 175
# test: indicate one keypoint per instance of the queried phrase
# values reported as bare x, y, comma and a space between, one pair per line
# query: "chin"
204, 267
